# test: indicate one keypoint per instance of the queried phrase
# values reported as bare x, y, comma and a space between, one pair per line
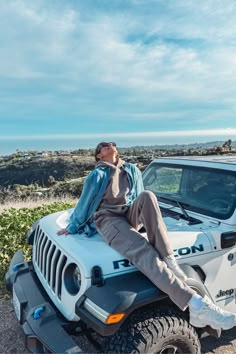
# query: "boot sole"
199, 324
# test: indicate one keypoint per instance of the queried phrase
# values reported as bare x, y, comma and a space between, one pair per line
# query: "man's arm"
139, 183
80, 213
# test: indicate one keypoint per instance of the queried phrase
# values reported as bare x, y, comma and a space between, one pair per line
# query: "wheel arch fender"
126, 293
196, 279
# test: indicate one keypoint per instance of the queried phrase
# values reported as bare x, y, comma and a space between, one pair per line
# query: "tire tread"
145, 327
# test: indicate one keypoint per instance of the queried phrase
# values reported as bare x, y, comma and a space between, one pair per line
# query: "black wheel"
153, 331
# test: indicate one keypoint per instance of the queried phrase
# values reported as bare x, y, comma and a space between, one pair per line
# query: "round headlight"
72, 278
77, 277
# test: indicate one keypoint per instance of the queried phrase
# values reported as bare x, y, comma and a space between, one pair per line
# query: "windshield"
204, 190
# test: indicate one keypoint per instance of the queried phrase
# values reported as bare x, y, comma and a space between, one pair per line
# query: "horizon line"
180, 133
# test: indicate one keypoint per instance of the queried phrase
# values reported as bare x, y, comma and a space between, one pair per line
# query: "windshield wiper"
176, 202
184, 212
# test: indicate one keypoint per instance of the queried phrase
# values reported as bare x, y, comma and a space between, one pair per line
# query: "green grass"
14, 224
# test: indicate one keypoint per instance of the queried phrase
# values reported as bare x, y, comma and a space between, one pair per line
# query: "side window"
163, 180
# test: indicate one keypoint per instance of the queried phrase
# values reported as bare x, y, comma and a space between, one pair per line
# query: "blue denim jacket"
81, 220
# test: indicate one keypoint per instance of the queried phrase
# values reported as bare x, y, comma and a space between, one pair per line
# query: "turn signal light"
115, 318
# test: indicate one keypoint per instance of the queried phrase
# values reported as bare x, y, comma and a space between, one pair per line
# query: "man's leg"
121, 236
145, 210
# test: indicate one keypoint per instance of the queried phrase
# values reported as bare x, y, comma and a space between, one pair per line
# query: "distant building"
64, 153
41, 154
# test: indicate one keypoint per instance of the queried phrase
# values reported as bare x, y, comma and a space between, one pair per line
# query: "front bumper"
43, 326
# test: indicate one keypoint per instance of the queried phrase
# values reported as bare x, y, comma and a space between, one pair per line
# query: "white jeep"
79, 285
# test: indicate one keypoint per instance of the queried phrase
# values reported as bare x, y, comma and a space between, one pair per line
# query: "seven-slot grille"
49, 260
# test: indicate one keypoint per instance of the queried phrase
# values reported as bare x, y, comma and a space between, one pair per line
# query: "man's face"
107, 150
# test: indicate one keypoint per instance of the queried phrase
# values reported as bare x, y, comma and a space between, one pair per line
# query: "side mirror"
228, 239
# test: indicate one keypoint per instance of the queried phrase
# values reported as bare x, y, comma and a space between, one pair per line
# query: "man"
114, 203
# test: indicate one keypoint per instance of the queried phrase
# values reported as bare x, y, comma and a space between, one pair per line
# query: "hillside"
49, 174
26, 172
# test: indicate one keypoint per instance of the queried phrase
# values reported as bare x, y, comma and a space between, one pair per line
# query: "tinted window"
208, 191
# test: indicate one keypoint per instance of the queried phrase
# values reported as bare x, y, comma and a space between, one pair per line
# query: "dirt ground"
12, 339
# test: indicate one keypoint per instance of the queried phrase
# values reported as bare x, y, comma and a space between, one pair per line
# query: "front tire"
153, 331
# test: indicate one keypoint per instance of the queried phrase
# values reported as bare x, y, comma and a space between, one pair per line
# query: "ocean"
9, 146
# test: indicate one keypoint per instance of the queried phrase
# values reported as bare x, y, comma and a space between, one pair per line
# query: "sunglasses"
101, 145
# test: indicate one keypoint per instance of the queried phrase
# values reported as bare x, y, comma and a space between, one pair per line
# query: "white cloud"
181, 52
34, 37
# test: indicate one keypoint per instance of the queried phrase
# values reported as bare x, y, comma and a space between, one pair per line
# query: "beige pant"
120, 232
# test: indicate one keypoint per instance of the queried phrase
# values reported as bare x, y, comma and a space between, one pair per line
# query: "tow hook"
37, 312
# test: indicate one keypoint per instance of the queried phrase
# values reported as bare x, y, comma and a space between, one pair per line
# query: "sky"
134, 71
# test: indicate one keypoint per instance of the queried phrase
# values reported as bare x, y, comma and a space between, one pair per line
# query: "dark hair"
99, 146
97, 150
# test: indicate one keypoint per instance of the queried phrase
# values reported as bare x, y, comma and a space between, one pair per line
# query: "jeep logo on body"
228, 292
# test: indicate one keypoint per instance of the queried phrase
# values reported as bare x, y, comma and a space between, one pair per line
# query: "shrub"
14, 224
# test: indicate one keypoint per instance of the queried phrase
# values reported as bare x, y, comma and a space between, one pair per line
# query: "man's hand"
63, 232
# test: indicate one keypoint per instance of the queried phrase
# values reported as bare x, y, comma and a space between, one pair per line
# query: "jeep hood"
187, 241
